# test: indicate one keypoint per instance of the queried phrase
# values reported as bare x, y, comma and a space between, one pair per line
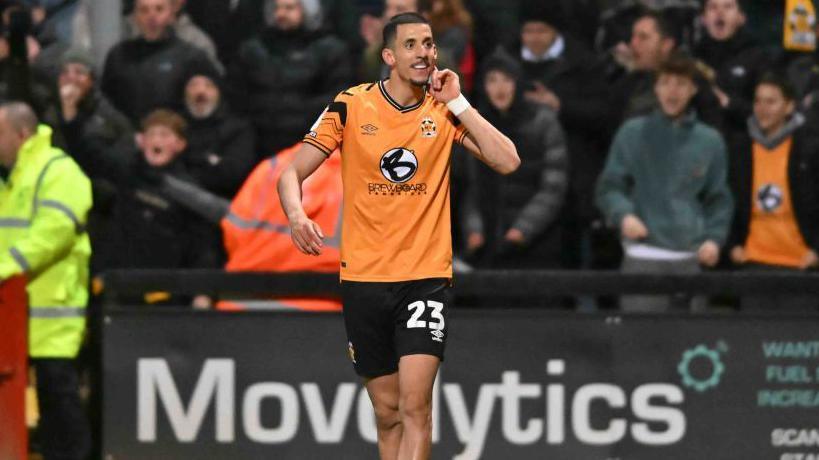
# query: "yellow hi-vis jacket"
44, 207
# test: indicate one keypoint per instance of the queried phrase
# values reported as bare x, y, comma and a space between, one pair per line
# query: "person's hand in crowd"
811, 260
370, 28
202, 302
307, 236
69, 99
514, 236
708, 253
475, 241
724, 99
623, 55
33, 48
738, 255
633, 228
807, 102
544, 96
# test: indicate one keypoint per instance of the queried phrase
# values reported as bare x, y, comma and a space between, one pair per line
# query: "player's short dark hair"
391, 28
679, 65
665, 28
780, 81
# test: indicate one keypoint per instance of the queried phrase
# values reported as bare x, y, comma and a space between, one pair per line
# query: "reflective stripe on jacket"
257, 232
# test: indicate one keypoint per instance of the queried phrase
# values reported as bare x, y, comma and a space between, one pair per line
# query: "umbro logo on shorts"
437, 335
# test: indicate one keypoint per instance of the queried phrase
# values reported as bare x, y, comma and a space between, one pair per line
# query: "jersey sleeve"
460, 130
327, 132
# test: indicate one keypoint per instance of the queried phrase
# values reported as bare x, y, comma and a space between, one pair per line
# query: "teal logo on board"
701, 368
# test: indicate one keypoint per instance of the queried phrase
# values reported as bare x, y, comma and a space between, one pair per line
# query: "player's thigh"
384, 394
416, 377
422, 318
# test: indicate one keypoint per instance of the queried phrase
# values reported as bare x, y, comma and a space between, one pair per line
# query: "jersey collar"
396, 105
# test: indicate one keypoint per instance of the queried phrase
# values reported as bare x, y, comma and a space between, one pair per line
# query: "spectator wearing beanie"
146, 73
221, 146
514, 223
87, 123
561, 73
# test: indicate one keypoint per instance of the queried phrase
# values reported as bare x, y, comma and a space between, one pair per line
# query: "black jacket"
281, 81
141, 76
221, 151
803, 171
577, 80
531, 198
227, 27
151, 230
738, 64
98, 129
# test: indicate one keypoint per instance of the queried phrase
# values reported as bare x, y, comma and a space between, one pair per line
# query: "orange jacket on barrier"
257, 233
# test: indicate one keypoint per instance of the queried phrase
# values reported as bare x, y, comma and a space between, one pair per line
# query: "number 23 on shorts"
418, 308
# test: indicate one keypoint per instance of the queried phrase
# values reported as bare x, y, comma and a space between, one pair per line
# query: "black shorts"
386, 321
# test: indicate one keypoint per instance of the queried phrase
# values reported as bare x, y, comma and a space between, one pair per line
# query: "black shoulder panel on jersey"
341, 109
346, 93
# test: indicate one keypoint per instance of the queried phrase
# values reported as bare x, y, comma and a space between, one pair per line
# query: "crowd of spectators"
656, 135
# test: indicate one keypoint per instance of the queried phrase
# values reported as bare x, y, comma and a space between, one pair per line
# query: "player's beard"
419, 83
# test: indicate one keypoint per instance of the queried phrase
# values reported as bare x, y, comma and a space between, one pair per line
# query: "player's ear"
388, 56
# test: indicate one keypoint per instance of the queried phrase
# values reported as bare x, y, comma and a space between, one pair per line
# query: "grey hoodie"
771, 142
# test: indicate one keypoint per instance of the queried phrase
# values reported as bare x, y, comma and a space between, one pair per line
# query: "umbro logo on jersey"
369, 130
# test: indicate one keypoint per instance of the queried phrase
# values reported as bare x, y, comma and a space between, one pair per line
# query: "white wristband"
458, 105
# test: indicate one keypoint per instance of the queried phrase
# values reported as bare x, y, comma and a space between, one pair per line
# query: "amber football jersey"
395, 169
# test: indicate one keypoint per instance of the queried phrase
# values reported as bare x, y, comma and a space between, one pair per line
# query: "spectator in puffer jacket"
88, 127
282, 79
513, 222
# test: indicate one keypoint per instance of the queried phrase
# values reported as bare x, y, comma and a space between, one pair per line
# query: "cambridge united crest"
428, 128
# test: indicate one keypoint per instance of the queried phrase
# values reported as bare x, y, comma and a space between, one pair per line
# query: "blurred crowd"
661, 136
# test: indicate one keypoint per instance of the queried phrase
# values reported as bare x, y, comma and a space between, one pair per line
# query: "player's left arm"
483, 140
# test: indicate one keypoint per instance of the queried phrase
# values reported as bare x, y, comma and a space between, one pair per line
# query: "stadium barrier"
13, 369
508, 284
517, 383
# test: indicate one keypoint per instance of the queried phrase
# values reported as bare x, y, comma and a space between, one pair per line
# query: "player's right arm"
306, 234
324, 137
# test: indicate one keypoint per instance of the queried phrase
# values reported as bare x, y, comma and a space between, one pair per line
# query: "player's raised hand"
307, 236
446, 85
